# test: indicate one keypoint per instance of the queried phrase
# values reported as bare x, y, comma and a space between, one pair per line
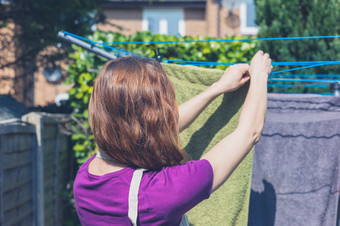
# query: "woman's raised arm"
229, 152
232, 79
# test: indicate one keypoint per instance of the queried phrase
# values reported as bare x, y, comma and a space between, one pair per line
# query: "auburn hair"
133, 114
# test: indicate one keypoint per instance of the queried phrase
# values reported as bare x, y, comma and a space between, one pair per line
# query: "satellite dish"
52, 73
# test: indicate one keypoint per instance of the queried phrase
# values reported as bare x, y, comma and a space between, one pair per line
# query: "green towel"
229, 204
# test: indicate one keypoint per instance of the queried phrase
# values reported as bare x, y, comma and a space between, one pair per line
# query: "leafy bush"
291, 18
86, 65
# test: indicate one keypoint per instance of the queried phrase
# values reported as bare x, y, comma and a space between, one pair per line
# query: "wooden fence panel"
17, 177
34, 171
52, 147
21, 215
16, 192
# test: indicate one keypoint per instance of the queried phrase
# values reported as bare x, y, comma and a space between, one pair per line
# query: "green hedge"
86, 65
291, 18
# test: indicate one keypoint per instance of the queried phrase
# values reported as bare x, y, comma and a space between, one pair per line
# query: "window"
164, 21
247, 18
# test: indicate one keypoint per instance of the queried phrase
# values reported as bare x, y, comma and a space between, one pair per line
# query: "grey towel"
296, 174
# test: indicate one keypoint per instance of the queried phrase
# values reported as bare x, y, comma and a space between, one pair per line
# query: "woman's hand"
233, 78
260, 65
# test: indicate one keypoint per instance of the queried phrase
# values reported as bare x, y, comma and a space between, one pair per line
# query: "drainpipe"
219, 18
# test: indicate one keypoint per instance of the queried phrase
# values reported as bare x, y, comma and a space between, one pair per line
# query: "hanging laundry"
296, 174
229, 204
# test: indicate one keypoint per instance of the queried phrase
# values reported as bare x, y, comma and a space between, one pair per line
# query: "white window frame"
163, 23
243, 21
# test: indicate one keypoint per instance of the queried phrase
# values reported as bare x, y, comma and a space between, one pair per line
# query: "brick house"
27, 87
216, 18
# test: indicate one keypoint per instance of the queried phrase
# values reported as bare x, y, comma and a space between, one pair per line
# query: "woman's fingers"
260, 52
261, 62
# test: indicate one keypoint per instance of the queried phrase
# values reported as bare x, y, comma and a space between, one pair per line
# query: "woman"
136, 123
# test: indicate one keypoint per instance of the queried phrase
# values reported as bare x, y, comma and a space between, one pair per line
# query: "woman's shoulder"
180, 187
85, 165
187, 169
84, 173
183, 173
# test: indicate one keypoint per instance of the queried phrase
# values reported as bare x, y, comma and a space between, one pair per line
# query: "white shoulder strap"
133, 199
184, 221
133, 195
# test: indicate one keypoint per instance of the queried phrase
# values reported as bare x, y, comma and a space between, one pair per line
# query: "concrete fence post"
38, 169
51, 165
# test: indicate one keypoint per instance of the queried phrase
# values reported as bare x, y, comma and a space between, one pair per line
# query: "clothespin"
157, 56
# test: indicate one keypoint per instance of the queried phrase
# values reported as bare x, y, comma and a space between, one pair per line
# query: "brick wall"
122, 20
7, 55
24, 86
14, 79
212, 18
195, 24
45, 92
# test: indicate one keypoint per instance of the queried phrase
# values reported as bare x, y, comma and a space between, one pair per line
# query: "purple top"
164, 196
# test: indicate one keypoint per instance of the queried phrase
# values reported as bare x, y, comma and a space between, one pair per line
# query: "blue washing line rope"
323, 94
226, 40
310, 63
303, 80
104, 44
294, 85
287, 63
308, 75
114, 49
297, 68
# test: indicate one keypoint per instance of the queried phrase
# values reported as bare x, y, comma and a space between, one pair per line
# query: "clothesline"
291, 63
213, 40
295, 85
309, 75
304, 64
303, 80
287, 63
